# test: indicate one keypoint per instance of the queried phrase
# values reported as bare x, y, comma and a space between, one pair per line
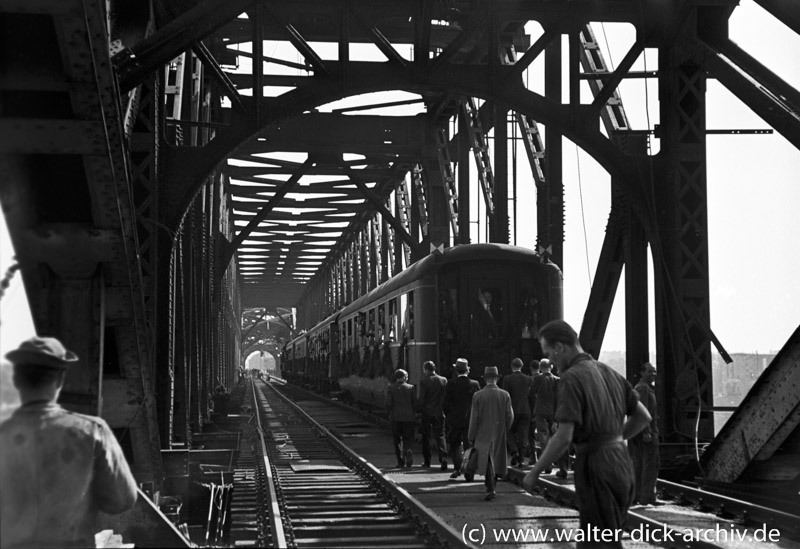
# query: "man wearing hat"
58, 469
458, 395
490, 420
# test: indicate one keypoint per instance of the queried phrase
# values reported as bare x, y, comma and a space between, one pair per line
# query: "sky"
753, 194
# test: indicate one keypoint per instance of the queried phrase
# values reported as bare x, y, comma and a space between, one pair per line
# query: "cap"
491, 371
42, 351
461, 365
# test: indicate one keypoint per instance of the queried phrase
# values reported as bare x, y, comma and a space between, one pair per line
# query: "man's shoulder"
519, 377
84, 419
644, 387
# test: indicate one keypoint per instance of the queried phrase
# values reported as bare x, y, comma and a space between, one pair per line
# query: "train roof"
430, 264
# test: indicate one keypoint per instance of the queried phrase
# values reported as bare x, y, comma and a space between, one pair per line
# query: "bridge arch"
186, 169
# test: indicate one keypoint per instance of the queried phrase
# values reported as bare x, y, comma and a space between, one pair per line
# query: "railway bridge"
185, 182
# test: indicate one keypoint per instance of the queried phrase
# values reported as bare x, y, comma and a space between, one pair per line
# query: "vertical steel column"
637, 304
463, 178
681, 252
386, 262
550, 198
415, 208
499, 228
374, 256
363, 243
436, 201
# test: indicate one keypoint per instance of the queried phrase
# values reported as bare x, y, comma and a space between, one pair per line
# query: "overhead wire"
583, 218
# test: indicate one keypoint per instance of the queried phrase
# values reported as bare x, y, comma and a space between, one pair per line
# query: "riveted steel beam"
137, 61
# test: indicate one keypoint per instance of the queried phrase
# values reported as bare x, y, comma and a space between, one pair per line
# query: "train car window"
410, 315
393, 320
371, 327
349, 333
529, 315
407, 312
448, 313
381, 326
489, 309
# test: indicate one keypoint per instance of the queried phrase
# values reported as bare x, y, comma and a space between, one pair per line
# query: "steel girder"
77, 241
680, 247
766, 419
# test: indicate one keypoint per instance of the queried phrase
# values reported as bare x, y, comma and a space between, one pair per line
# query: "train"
482, 302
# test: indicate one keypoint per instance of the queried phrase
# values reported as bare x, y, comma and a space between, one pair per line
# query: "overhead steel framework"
208, 163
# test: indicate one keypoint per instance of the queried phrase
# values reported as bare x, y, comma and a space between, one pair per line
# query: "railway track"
323, 495
691, 517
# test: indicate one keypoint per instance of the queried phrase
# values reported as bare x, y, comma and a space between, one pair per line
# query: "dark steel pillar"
550, 198
681, 256
463, 179
499, 230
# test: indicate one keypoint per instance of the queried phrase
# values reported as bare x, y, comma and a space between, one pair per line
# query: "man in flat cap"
58, 469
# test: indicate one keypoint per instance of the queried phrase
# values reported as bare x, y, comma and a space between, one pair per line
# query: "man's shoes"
409, 458
561, 474
444, 464
426, 464
469, 478
515, 461
455, 476
400, 465
490, 496
548, 471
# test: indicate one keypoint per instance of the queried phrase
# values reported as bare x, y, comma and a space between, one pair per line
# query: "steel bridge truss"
210, 170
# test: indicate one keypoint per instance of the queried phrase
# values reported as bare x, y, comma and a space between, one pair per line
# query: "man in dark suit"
400, 403
431, 403
457, 405
518, 385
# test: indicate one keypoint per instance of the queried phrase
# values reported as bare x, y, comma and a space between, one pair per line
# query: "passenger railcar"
483, 302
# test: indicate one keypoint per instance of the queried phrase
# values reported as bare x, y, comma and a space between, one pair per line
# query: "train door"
487, 302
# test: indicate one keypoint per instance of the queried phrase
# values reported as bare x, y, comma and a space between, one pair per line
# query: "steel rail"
430, 524
563, 495
275, 516
720, 504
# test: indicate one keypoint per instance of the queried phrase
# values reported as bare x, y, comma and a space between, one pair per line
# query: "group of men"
77, 461
476, 417
596, 410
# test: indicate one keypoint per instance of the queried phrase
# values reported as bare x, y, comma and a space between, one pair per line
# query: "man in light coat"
490, 420
58, 469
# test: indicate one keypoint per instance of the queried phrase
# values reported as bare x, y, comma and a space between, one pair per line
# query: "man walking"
489, 422
457, 405
593, 401
431, 403
518, 386
58, 469
400, 403
644, 446
543, 398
